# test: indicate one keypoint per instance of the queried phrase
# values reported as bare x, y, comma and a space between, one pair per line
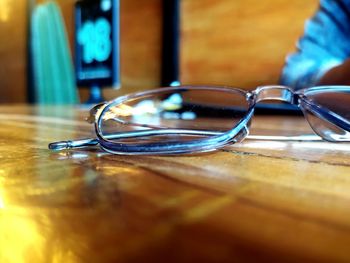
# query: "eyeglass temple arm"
62, 145
72, 144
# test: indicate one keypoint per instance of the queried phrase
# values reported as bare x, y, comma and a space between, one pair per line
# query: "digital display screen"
97, 42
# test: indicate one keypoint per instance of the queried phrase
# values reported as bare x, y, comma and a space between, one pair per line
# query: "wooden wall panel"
140, 43
239, 43
13, 23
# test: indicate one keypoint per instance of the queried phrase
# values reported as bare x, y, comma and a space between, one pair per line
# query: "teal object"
53, 71
95, 39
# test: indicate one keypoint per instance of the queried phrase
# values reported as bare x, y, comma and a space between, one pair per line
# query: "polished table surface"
258, 201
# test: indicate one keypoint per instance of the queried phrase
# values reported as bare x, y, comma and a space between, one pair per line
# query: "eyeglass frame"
218, 139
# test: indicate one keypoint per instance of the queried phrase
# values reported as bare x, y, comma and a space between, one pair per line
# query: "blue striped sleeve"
325, 44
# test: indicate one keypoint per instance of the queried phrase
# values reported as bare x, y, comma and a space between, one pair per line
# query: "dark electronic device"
171, 43
97, 46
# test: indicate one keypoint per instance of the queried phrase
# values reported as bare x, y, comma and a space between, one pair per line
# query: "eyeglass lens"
335, 101
196, 109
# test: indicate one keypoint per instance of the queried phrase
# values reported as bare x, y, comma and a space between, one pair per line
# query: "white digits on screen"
95, 39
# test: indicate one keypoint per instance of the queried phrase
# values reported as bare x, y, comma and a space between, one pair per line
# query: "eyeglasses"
188, 119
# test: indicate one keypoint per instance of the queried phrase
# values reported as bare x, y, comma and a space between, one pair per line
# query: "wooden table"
253, 202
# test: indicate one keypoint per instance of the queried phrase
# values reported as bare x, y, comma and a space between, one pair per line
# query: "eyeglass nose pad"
92, 113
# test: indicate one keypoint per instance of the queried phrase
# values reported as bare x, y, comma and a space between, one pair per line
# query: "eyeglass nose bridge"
277, 92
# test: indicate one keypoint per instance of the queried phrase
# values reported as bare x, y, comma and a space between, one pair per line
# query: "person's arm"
321, 58
338, 75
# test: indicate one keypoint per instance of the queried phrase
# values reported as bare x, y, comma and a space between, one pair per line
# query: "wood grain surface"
257, 201
13, 50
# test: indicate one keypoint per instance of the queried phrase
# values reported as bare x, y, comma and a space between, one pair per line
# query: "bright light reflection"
4, 10
323, 146
142, 108
121, 110
174, 102
22, 242
263, 145
2, 198
2, 201
268, 145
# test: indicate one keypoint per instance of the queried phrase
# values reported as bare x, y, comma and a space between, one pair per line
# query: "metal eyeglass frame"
211, 140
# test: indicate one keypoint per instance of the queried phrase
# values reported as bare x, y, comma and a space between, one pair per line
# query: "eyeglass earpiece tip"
58, 146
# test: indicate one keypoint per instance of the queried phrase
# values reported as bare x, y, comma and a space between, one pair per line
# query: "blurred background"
241, 43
